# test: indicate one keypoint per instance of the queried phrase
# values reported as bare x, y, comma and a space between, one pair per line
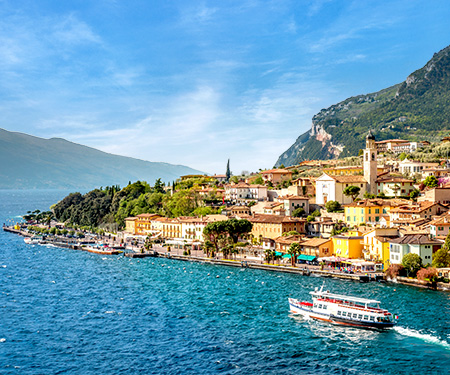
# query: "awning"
308, 258
278, 254
287, 256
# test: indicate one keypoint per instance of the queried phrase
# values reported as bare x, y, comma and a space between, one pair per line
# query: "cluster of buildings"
367, 234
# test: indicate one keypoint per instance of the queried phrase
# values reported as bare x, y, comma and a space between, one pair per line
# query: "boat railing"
363, 308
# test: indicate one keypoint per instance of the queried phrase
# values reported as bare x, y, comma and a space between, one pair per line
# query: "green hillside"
417, 109
29, 162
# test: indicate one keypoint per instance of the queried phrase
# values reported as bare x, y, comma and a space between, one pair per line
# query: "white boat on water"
344, 310
33, 240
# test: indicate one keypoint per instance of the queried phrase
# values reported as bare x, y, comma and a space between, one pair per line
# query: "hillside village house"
370, 211
420, 244
331, 188
436, 172
275, 176
394, 186
376, 246
322, 227
192, 227
397, 146
348, 246
243, 191
274, 208
437, 194
319, 247
410, 167
439, 227
348, 170
130, 225
141, 224
291, 203
411, 211
273, 226
283, 243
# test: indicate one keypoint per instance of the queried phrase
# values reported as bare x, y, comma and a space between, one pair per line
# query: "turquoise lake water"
71, 312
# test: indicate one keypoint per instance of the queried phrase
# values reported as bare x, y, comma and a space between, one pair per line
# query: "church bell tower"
370, 164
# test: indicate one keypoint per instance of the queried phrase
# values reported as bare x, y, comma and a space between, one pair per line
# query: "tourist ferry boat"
344, 310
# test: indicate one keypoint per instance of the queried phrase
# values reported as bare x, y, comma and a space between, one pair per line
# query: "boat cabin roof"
326, 294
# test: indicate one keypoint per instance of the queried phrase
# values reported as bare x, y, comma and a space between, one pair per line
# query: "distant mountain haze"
416, 109
29, 162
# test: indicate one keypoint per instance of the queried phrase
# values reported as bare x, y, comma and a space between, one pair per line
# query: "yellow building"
144, 224
273, 226
319, 247
348, 246
130, 225
376, 245
348, 170
369, 211
276, 175
167, 228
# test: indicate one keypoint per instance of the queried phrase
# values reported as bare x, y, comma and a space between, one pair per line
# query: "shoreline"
305, 270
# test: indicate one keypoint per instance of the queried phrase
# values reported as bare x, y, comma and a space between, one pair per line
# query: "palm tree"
293, 251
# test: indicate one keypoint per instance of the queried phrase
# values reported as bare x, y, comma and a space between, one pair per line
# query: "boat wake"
422, 336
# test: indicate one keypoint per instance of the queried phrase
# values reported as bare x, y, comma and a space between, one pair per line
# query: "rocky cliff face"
417, 109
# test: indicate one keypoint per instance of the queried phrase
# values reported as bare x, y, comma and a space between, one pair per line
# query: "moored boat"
344, 310
33, 240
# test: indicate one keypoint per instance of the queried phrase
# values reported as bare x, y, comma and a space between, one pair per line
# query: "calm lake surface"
72, 312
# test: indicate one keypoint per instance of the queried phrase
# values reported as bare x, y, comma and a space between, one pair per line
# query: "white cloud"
70, 30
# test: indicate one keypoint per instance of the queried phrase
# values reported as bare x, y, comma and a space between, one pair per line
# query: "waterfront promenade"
235, 260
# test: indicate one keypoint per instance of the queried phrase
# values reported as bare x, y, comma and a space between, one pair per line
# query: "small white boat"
33, 240
343, 310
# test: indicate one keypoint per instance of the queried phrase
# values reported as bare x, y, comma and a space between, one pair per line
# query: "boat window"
344, 313
360, 316
339, 312
325, 307
315, 305
320, 306
355, 315
366, 317
372, 318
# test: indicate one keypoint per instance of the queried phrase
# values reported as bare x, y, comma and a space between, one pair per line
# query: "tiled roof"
394, 180
314, 242
276, 219
415, 208
288, 239
292, 197
377, 202
392, 140
283, 171
443, 220
416, 239
350, 179
147, 215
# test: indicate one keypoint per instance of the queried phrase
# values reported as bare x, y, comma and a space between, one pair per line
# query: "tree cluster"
224, 235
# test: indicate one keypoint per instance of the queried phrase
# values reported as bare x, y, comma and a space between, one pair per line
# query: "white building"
420, 244
331, 188
243, 191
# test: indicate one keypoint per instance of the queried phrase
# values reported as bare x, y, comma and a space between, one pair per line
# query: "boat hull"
305, 309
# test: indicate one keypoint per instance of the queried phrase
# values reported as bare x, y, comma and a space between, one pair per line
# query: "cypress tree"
228, 174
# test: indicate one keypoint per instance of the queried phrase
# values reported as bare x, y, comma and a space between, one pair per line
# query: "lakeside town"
379, 213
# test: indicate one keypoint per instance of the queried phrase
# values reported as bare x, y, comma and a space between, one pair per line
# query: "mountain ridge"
30, 162
415, 109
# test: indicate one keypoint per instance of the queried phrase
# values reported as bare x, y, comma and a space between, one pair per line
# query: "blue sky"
198, 82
